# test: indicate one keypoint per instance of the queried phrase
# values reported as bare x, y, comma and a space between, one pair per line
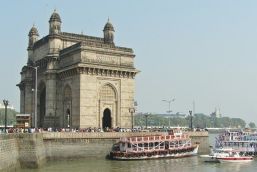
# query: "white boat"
173, 145
226, 155
235, 157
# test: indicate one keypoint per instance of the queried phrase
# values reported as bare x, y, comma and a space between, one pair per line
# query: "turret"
108, 33
55, 23
33, 36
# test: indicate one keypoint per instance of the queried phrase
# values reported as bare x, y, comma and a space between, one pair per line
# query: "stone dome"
55, 17
33, 31
108, 26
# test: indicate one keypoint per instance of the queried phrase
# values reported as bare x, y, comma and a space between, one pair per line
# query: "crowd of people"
89, 129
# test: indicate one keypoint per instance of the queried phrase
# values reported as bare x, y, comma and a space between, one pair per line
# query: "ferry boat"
235, 157
175, 144
243, 141
226, 155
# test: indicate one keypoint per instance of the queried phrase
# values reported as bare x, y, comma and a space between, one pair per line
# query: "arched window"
67, 92
107, 93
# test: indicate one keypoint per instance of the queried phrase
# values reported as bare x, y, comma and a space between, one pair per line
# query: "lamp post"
191, 120
132, 111
5, 116
169, 110
35, 106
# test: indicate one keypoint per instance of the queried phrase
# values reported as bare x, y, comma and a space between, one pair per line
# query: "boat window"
156, 143
140, 145
129, 145
162, 144
145, 144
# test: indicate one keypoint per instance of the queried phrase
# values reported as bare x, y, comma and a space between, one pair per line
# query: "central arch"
107, 119
107, 106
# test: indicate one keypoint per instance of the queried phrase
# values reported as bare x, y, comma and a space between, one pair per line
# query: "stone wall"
21, 150
81, 145
74, 145
203, 139
9, 153
31, 150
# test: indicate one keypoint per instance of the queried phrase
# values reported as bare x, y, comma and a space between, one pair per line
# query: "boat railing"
144, 149
154, 138
150, 138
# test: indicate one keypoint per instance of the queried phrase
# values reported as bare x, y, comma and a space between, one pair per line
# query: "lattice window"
107, 93
67, 92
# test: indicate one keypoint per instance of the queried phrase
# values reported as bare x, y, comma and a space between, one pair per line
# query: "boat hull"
154, 155
233, 159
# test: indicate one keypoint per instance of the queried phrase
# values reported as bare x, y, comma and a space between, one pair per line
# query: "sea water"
189, 164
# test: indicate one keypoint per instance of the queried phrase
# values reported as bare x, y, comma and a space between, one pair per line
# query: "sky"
199, 51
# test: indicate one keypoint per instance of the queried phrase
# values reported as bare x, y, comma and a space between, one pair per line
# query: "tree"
11, 117
199, 121
252, 125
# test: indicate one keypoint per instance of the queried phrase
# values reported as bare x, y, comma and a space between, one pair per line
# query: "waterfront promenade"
32, 150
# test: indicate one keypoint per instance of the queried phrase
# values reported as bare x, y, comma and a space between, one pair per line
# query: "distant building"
216, 113
83, 81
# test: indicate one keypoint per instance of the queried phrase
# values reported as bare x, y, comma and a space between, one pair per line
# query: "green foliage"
199, 121
252, 125
11, 117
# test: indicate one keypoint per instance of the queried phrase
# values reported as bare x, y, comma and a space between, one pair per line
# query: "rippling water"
191, 164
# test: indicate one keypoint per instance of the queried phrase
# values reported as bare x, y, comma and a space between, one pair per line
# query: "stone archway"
67, 105
107, 119
108, 106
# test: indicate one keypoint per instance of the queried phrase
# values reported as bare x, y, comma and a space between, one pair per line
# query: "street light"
132, 110
169, 110
5, 116
191, 120
35, 106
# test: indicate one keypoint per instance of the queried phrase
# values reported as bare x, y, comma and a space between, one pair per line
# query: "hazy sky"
195, 50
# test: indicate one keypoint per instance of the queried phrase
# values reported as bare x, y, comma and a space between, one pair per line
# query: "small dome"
33, 31
55, 17
108, 26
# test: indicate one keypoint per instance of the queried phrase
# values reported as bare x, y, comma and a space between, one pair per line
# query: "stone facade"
82, 81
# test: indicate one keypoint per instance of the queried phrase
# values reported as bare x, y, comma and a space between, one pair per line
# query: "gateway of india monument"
76, 80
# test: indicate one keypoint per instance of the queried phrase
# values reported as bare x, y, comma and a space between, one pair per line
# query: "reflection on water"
190, 164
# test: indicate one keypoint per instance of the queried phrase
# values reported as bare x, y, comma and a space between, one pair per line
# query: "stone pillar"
50, 100
31, 150
127, 100
22, 97
28, 98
